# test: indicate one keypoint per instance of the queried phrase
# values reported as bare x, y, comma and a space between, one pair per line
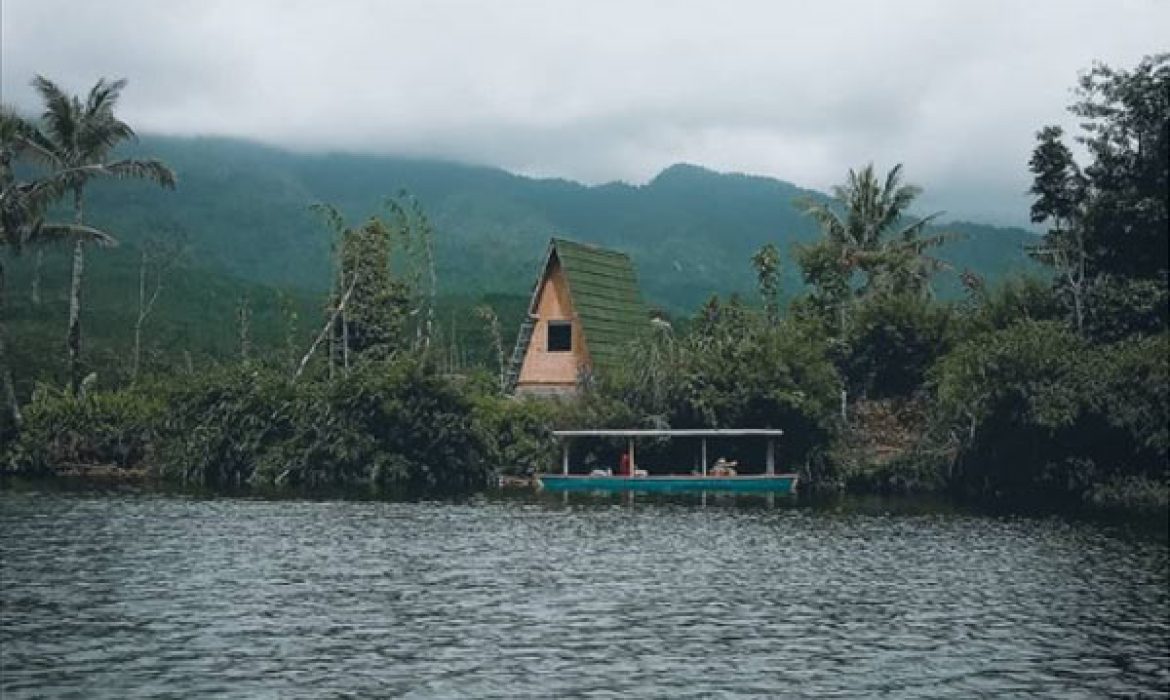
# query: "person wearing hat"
723, 467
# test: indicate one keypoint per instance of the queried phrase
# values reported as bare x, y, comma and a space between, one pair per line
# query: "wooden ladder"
518, 352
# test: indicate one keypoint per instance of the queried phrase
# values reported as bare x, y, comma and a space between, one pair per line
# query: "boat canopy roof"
700, 432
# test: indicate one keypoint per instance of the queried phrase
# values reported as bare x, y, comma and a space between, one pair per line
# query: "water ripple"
150, 595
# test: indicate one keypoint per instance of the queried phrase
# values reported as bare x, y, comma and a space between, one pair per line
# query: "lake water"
123, 595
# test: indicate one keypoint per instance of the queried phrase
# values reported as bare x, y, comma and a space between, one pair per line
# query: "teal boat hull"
752, 483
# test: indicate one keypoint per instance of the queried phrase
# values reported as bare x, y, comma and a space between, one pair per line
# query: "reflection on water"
543, 595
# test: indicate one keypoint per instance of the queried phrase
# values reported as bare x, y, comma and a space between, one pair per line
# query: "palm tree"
867, 225
867, 229
80, 135
22, 206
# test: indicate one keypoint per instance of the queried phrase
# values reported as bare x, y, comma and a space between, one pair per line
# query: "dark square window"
560, 336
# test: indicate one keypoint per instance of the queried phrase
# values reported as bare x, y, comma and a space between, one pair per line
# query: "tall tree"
22, 223
1061, 191
371, 323
1126, 122
80, 134
766, 262
158, 257
488, 315
375, 320
1109, 227
867, 232
418, 247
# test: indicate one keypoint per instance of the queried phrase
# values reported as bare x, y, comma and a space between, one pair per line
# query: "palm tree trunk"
434, 280
73, 337
344, 340
6, 383
244, 315
141, 317
34, 294
9, 388
844, 392
1078, 282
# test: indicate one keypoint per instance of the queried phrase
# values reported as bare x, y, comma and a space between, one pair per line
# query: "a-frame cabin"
585, 308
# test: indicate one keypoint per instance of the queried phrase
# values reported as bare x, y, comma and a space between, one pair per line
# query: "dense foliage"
1037, 409
733, 369
398, 426
1072, 397
1028, 386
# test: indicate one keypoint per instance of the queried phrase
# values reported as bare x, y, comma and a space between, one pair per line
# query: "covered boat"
630, 478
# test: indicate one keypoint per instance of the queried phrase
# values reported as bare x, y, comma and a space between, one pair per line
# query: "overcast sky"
598, 91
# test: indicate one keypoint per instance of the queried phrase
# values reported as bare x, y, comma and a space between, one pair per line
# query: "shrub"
1034, 408
734, 370
395, 425
104, 428
517, 432
892, 341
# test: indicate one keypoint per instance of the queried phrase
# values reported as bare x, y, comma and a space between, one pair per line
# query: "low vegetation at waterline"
1036, 387
387, 425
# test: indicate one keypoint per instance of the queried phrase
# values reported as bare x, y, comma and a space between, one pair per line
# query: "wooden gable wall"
553, 372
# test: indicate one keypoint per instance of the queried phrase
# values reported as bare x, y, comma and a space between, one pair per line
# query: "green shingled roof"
604, 291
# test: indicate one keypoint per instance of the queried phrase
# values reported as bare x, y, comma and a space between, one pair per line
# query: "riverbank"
1146, 515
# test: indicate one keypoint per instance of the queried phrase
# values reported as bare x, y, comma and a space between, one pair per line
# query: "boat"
720, 479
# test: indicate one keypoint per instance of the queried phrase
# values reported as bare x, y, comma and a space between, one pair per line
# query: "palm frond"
49, 233
39, 194
936, 240
827, 219
22, 205
35, 151
893, 179
19, 138
103, 97
61, 116
150, 169
100, 133
914, 229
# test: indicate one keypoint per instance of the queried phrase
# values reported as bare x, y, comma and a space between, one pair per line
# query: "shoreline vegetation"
1035, 389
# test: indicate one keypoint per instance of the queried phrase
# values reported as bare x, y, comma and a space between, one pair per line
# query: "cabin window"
560, 336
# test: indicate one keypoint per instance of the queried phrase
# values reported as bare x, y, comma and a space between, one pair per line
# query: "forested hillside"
243, 208
240, 214
1049, 383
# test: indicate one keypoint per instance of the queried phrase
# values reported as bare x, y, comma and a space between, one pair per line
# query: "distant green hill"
196, 320
690, 231
194, 323
243, 210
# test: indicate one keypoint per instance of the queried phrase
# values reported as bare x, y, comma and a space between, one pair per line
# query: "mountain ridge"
691, 230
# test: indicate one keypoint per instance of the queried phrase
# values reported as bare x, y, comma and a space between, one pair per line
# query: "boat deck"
748, 483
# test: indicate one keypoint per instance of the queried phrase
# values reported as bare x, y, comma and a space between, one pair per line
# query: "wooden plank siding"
597, 290
552, 372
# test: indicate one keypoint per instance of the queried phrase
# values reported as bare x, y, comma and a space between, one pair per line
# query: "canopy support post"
703, 452
630, 442
771, 459
565, 458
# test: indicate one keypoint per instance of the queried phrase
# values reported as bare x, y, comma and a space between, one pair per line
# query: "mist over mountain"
243, 209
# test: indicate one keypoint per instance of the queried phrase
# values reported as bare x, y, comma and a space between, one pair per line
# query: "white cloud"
605, 90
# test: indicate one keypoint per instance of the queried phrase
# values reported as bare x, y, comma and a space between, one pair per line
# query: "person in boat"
624, 464
723, 467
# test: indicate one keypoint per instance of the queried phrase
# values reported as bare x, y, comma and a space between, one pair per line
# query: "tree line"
1041, 386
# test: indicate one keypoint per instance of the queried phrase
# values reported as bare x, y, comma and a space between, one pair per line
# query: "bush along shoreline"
396, 426
1038, 389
